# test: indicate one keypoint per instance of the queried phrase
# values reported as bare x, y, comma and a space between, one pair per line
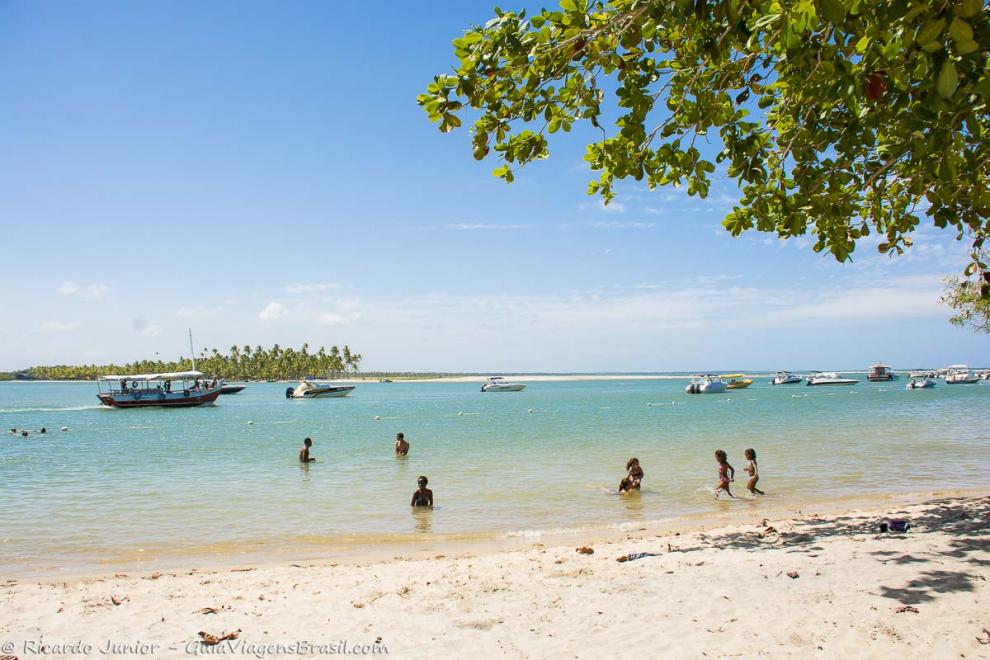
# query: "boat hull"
822, 383
325, 393
516, 387
231, 389
153, 400
962, 381
740, 385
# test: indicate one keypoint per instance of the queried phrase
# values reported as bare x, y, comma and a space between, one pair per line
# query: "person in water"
304, 456
423, 495
726, 473
754, 472
634, 477
401, 446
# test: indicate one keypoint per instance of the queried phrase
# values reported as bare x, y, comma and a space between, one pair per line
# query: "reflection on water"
119, 481
423, 517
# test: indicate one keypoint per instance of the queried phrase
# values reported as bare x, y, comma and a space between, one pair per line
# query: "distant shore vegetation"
239, 363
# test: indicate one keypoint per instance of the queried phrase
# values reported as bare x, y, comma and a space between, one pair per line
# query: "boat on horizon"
705, 384
499, 384
828, 378
309, 388
959, 374
736, 381
157, 390
785, 378
880, 373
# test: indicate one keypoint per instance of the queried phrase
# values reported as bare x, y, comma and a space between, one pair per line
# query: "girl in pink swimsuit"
726, 473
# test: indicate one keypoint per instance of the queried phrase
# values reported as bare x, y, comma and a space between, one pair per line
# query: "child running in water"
754, 472
726, 473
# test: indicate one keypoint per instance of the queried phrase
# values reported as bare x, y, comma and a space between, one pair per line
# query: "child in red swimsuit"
726, 473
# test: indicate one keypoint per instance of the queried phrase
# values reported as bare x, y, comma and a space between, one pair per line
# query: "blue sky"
261, 172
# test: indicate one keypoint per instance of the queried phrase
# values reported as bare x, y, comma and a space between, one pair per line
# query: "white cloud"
347, 310
622, 225
299, 289
70, 288
58, 326
465, 226
151, 330
273, 311
611, 207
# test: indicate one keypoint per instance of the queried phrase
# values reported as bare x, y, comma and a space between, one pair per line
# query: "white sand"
715, 593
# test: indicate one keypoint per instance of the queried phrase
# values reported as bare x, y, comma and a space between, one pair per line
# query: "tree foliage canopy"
840, 118
966, 298
238, 364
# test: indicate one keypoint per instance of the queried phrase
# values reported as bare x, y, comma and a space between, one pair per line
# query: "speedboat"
958, 374
828, 378
880, 373
705, 384
785, 378
312, 389
177, 389
230, 389
931, 373
920, 384
736, 381
499, 384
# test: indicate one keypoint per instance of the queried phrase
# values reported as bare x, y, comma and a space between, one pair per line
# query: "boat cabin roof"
169, 375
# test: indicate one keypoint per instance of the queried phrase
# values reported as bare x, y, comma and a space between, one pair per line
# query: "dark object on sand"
896, 525
633, 556
793, 575
906, 608
585, 550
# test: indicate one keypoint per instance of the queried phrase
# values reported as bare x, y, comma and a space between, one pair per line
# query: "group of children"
726, 474
633, 480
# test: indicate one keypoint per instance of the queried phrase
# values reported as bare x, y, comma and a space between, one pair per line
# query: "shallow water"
123, 484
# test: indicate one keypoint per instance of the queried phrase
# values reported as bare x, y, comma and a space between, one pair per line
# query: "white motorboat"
705, 384
499, 384
785, 378
959, 374
312, 389
829, 378
931, 373
920, 384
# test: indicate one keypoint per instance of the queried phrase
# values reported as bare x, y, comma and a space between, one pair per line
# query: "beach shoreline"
771, 582
363, 550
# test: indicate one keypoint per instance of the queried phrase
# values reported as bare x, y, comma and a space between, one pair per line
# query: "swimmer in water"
304, 456
423, 495
401, 446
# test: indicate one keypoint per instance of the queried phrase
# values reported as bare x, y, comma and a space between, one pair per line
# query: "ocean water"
149, 485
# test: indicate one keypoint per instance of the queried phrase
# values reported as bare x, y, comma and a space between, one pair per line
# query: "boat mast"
192, 351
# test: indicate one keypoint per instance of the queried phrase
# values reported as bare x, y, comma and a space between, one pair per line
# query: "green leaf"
834, 11
960, 30
948, 80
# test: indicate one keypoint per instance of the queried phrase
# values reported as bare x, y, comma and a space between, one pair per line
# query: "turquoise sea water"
134, 484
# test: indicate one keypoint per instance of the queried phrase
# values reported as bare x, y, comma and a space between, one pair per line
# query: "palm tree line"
239, 363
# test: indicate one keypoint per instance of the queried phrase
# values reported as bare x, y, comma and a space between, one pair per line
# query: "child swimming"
754, 472
726, 473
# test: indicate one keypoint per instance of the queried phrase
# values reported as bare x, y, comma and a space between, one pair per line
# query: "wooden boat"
179, 389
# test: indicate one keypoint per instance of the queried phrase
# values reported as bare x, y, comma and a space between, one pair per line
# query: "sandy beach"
820, 581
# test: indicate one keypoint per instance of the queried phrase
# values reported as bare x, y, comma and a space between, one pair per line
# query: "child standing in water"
423, 495
634, 476
726, 473
754, 472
